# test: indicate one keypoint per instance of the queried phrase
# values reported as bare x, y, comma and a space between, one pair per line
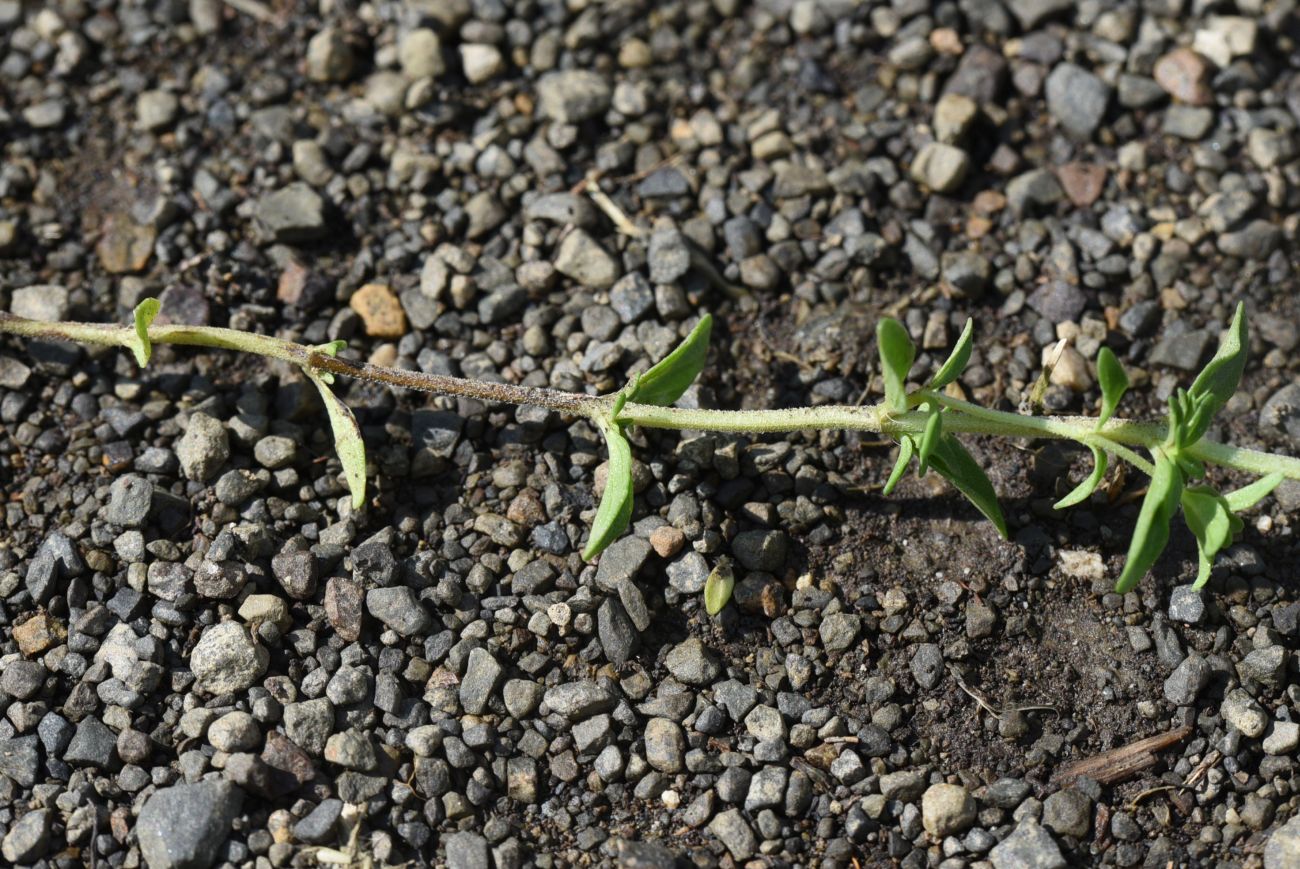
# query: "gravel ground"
207, 658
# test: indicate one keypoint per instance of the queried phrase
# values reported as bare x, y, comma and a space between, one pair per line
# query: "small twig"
1034, 402
611, 209
1149, 792
252, 9
974, 695
1037, 708
1194, 777
699, 259
1120, 763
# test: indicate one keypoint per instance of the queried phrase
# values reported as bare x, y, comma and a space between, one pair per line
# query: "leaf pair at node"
348, 443
932, 447
661, 386
1114, 383
1210, 516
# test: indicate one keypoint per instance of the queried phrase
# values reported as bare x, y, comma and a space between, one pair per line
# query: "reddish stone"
1083, 182
1184, 75
343, 602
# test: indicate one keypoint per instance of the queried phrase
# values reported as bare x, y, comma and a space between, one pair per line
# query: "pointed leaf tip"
348, 443
957, 359
906, 447
1113, 380
1213, 525
1152, 530
929, 440
897, 353
1250, 495
1217, 382
665, 382
1089, 484
958, 467
615, 510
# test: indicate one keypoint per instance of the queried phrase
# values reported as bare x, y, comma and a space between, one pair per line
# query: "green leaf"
671, 376
142, 347
957, 466
1152, 530
1089, 485
1248, 496
1177, 418
348, 444
615, 510
1220, 377
957, 359
929, 440
621, 399
1203, 409
1114, 383
1212, 524
897, 353
718, 587
906, 448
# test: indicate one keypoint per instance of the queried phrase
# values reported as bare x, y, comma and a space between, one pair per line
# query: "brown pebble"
526, 509
281, 753
945, 40
988, 202
133, 746
1082, 182
343, 601
1184, 75
125, 246
38, 634
380, 311
667, 541
293, 282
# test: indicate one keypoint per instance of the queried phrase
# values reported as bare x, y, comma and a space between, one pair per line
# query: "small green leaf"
1177, 419
957, 466
621, 399
1114, 383
897, 353
929, 440
906, 448
615, 510
957, 359
1152, 530
1212, 524
1089, 485
1248, 496
142, 347
1219, 379
671, 376
718, 587
348, 444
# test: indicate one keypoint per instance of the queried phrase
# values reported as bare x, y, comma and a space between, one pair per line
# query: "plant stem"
963, 417
442, 384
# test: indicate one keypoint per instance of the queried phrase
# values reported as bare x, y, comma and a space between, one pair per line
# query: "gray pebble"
181, 827
692, 663
1028, 847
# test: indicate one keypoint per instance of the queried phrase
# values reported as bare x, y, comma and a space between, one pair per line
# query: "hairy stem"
1117, 435
442, 384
